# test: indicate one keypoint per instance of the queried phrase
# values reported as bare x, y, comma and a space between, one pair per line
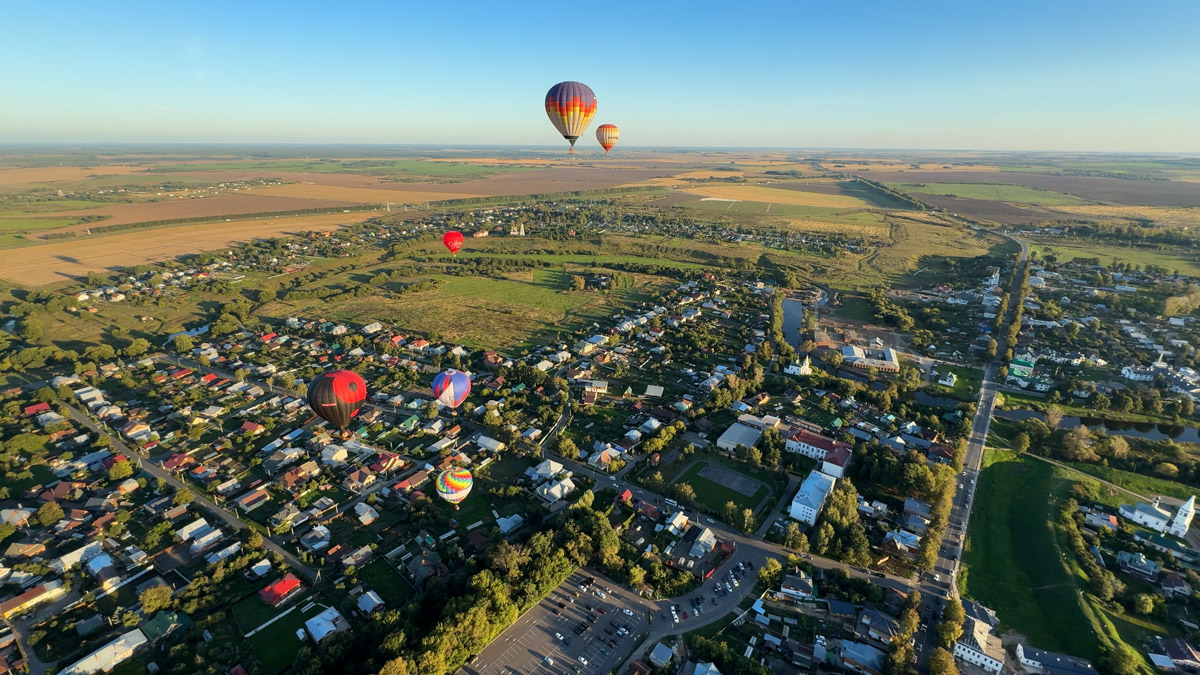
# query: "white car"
549, 661
601, 595
558, 635
628, 611
583, 660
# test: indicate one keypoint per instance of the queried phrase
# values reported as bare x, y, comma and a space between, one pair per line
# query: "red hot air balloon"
337, 396
571, 107
607, 134
453, 240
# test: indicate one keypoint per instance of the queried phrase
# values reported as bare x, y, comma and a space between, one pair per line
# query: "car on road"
685, 615
601, 595
937, 577
710, 521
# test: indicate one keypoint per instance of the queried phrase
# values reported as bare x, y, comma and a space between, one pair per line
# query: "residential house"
278, 592
325, 624
110, 655
798, 586
875, 625
359, 480
554, 490
1175, 585
1138, 565
979, 646
1041, 662
677, 523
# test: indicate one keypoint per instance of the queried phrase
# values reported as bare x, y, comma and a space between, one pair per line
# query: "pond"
793, 321
1148, 430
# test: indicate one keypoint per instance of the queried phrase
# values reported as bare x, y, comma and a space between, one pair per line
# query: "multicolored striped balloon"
451, 387
607, 134
571, 107
454, 485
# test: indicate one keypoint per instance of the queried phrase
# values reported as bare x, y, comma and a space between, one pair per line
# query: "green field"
379, 576
993, 192
1012, 563
714, 495
27, 223
1184, 262
593, 260
276, 645
967, 386
821, 213
1147, 486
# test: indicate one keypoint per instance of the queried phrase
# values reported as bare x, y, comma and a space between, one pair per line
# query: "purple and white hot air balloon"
451, 388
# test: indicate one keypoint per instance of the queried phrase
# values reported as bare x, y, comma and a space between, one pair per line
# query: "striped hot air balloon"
451, 387
571, 107
607, 134
454, 485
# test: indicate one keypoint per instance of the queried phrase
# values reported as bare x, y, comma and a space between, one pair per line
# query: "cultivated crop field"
59, 260
225, 204
755, 193
993, 192
1117, 190
378, 195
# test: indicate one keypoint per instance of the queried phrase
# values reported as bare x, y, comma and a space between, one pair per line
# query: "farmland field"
1121, 191
59, 260
993, 192
1184, 262
378, 195
225, 204
770, 195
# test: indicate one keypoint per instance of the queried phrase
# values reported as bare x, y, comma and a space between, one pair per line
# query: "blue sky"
1008, 75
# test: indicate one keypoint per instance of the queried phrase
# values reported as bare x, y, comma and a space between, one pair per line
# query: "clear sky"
1011, 75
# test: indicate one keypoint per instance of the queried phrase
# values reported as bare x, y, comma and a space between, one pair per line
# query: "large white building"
109, 656
979, 647
810, 444
1038, 661
811, 496
1160, 519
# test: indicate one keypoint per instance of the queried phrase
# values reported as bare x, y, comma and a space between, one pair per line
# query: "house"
109, 656
1174, 585
948, 379
859, 657
488, 443
253, 499
413, 482
279, 591
979, 646
811, 444
1182, 655
37, 409
31, 598
164, 623
552, 491
334, 455
902, 541
370, 602
249, 428
603, 458
20, 550
884, 359
359, 480
661, 655
18, 517
700, 541
325, 624
1038, 661
798, 586
877, 626
811, 496
1138, 565
544, 471
677, 523
1159, 519
835, 461
366, 514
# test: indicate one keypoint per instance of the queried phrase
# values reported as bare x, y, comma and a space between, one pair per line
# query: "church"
1161, 519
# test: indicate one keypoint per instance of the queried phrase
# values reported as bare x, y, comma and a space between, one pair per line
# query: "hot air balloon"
337, 396
451, 387
571, 107
453, 240
607, 134
454, 485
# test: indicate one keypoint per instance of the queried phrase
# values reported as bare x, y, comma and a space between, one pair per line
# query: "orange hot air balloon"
607, 134
453, 240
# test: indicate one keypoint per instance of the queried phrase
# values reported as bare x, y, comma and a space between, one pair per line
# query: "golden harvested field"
376, 195
48, 263
768, 195
226, 204
1169, 217
710, 174
60, 174
851, 229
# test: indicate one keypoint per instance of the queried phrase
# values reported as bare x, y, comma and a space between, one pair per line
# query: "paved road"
158, 472
940, 584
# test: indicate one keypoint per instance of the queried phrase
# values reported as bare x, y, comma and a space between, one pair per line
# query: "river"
1148, 430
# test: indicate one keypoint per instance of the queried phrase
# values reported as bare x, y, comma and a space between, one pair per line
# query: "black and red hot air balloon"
337, 396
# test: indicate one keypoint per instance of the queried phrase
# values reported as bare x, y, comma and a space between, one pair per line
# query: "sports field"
715, 490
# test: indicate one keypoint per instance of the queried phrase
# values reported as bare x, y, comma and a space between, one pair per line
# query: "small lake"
793, 321
1147, 430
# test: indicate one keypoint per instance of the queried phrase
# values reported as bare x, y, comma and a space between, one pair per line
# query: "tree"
794, 539
1021, 443
137, 347
951, 627
941, 662
1143, 603
731, 512
567, 448
7, 530
49, 513
508, 559
1054, 415
748, 520
770, 572
155, 598
1119, 447
899, 659
183, 496
120, 470
685, 492
1166, 470
431, 410
637, 577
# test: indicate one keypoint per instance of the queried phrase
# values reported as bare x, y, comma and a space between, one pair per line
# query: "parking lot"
569, 624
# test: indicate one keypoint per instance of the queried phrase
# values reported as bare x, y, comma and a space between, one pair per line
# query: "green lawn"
379, 576
1185, 262
855, 308
583, 259
967, 386
1143, 485
851, 216
276, 645
714, 495
993, 192
252, 612
1012, 562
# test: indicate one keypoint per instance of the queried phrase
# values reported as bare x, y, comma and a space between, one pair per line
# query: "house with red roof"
278, 592
835, 461
37, 409
114, 460
811, 444
386, 463
358, 480
181, 373
251, 428
177, 462
209, 379
414, 481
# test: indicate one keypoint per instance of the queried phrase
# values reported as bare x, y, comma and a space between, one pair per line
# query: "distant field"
992, 191
416, 167
32, 223
755, 193
59, 260
1184, 262
598, 260
356, 194
55, 174
1164, 216
225, 204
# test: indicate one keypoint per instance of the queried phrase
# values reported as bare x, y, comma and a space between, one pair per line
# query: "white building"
1160, 519
1038, 661
552, 491
109, 656
738, 434
811, 496
979, 647
800, 367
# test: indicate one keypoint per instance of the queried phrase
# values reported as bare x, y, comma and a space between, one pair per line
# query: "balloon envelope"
453, 240
451, 387
607, 134
571, 107
337, 396
454, 485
